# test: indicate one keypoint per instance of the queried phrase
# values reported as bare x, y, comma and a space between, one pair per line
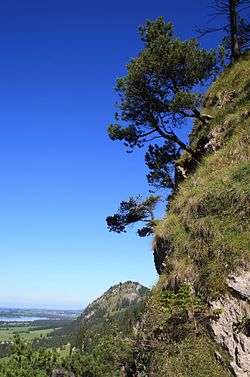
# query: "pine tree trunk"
235, 52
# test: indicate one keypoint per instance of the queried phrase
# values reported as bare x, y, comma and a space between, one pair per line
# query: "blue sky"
60, 174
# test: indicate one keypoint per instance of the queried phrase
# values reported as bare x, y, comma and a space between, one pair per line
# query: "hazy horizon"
39, 308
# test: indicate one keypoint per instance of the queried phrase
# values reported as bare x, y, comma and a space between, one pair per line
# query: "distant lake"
20, 319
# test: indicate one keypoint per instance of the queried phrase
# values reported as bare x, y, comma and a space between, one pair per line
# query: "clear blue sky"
60, 174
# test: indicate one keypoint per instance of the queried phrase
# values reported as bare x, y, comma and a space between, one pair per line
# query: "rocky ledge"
232, 328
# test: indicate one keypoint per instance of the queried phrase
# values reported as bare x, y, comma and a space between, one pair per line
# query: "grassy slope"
207, 227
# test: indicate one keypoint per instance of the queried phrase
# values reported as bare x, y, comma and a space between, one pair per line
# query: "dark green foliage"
79, 340
25, 362
158, 92
180, 304
107, 348
111, 356
53, 341
132, 211
156, 97
174, 341
120, 321
51, 324
160, 161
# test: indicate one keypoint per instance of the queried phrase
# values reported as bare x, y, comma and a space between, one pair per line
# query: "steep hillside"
115, 300
197, 322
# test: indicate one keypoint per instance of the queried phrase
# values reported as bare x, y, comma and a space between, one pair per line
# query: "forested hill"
115, 300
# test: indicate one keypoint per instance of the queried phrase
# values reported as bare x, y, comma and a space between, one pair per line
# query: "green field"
7, 333
65, 351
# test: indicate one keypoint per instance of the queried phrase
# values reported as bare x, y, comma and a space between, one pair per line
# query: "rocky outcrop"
232, 329
162, 249
216, 138
222, 97
61, 372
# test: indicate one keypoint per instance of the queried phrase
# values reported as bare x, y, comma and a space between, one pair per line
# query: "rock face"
162, 249
61, 372
222, 98
232, 329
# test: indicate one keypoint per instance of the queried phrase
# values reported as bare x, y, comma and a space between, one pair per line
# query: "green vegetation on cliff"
207, 223
204, 237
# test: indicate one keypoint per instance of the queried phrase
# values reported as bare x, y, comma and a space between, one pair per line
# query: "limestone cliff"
232, 328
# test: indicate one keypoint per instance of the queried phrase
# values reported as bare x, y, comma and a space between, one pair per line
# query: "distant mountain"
114, 301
